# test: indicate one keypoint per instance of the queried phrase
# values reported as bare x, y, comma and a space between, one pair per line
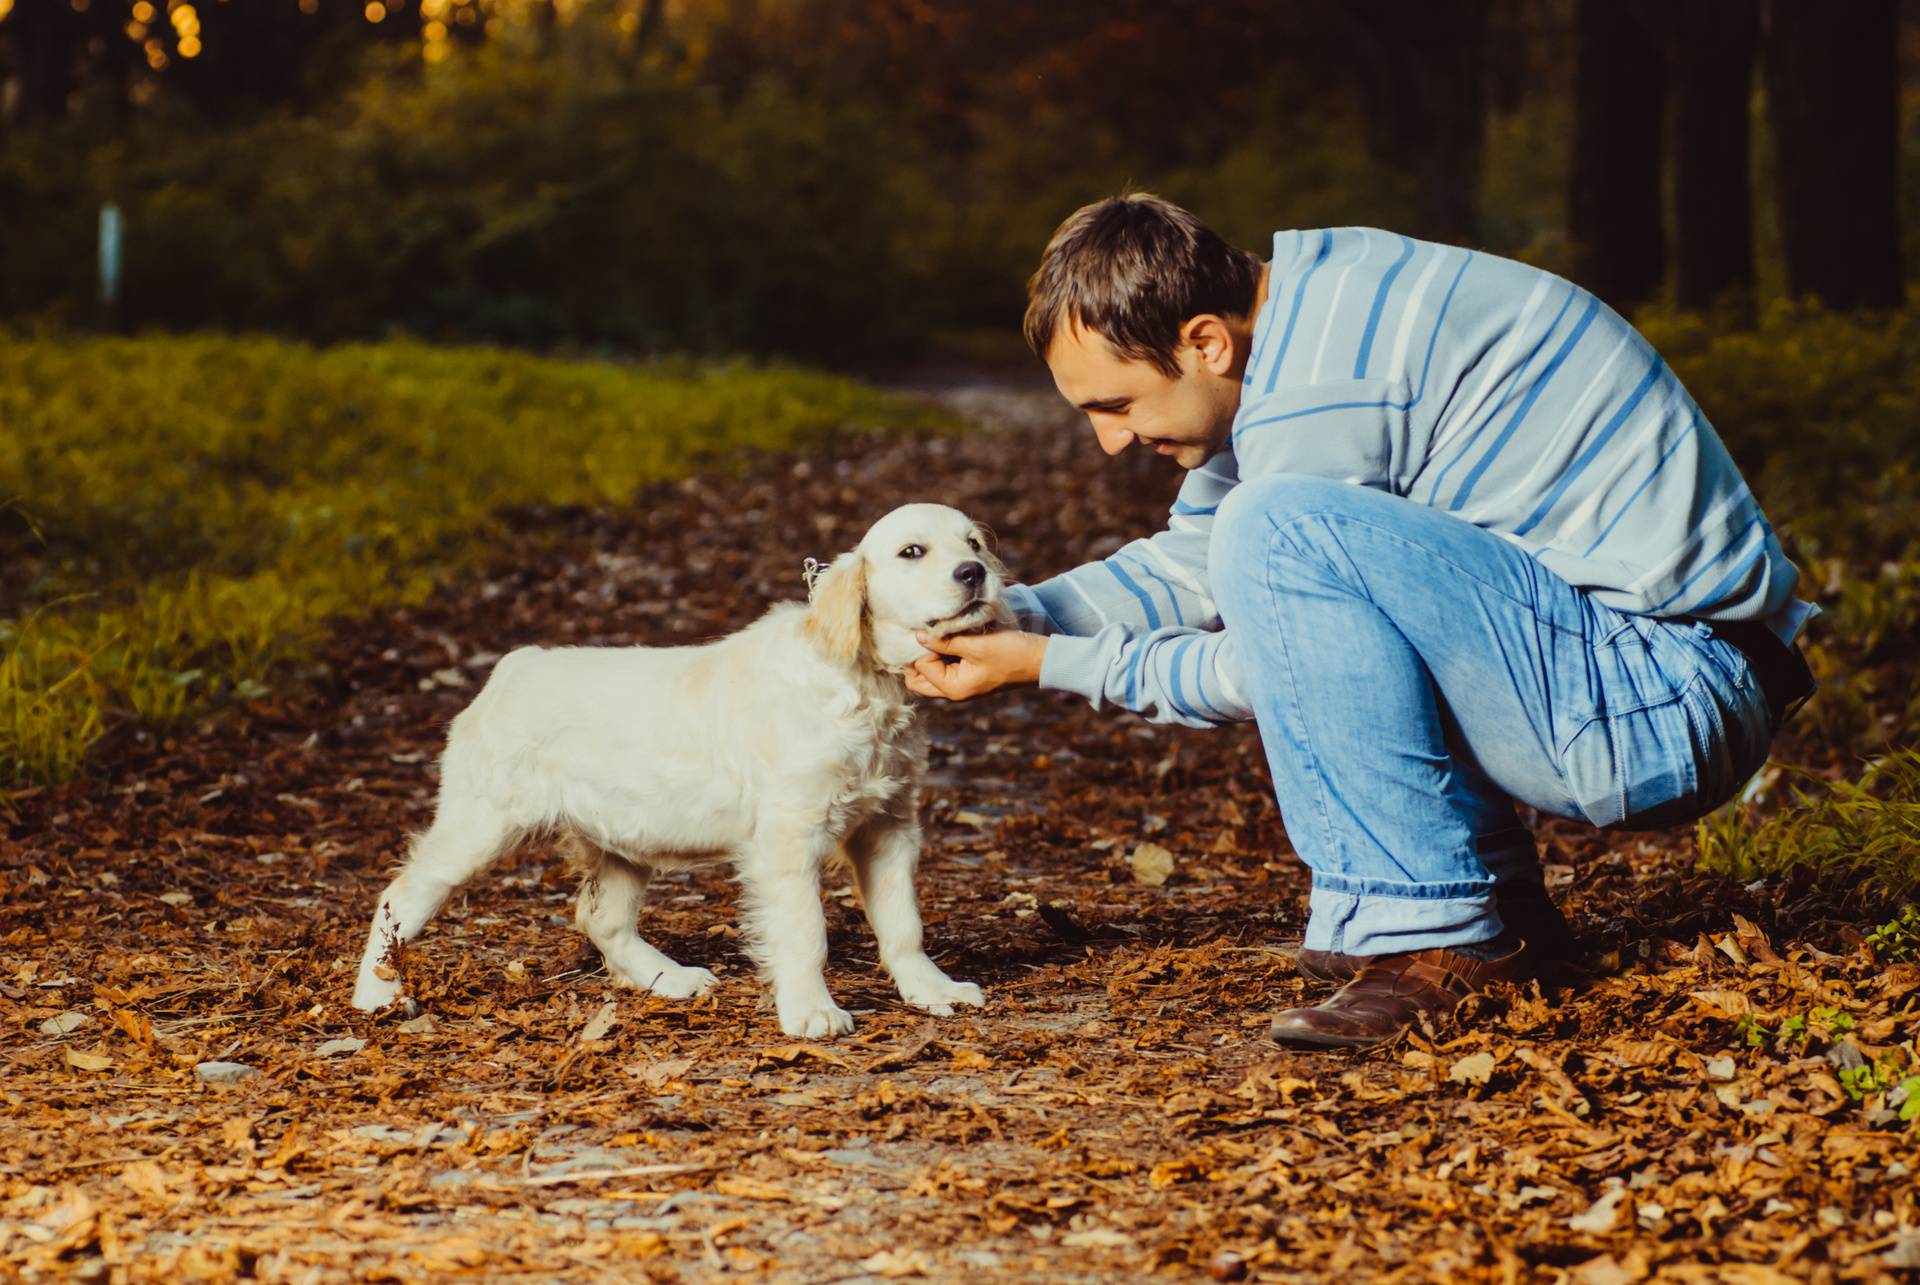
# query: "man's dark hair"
1134, 269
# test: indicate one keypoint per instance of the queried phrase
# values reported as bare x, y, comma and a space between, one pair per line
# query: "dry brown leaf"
454, 1255
145, 1178
1602, 1215
1097, 1238
1169, 1172
601, 1023
136, 1025
1641, 1052
1152, 864
787, 1054
86, 1061
750, 1188
64, 1023
1732, 1005
895, 1264
658, 1074
1475, 1068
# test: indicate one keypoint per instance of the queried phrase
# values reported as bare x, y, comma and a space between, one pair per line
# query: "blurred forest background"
443, 325
846, 180
493, 254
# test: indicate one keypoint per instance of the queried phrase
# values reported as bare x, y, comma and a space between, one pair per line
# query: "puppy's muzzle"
971, 574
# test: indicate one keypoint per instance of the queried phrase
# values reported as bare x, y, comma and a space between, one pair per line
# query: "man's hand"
970, 665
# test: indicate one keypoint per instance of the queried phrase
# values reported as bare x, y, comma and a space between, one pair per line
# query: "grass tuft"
184, 520
1866, 830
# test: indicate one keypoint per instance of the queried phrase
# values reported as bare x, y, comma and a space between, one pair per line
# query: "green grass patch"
184, 519
1822, 411
1866, 830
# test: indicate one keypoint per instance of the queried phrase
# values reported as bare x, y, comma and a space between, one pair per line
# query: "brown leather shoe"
1526, 910
1392, 992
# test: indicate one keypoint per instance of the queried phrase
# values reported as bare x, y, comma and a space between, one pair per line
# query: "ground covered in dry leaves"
1690, 1107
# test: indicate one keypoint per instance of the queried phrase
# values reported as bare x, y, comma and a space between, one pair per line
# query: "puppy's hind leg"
468, 834
885, 853
610, 896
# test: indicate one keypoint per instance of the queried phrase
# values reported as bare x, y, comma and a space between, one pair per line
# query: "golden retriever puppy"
769, 749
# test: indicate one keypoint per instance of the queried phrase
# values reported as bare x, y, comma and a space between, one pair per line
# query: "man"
1451, 533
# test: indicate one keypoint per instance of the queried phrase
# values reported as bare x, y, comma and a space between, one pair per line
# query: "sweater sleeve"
1357, 431
1140, 629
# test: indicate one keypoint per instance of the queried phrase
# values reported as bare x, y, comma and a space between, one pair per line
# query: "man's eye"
912, 551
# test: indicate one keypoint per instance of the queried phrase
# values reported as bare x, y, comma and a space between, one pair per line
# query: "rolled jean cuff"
1380, 917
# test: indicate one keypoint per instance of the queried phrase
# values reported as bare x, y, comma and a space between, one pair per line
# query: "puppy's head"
922, 566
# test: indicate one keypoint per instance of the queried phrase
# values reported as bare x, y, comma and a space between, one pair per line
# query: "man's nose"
1113, 439
970, 574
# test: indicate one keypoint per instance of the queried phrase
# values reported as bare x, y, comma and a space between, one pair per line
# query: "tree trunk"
1425, 66
1832, 78
48, 39
1613, 207
1710, 52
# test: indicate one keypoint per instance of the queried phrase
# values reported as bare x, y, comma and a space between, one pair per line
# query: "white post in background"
110, 266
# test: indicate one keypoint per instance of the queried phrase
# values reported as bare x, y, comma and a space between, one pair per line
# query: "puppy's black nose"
970, 574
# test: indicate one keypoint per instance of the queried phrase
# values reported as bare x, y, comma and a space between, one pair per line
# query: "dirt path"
1112, 1113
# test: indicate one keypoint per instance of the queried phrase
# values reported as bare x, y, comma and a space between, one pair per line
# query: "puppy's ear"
837, 616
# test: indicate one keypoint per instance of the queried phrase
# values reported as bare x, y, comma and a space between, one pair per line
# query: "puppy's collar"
810, 569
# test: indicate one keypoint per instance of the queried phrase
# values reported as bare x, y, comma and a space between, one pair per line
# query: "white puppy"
770, 749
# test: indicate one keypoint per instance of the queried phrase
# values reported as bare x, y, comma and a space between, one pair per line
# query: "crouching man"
1451, 533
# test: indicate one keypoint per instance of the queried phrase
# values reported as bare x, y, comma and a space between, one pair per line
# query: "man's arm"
1176, 675
1151, 583
1138, 629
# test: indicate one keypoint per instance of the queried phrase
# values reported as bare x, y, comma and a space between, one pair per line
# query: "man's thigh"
1526, 665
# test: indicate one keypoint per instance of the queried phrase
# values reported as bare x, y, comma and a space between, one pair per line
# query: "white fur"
770, 749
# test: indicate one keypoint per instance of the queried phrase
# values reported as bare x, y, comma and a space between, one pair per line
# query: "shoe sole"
1328, 1040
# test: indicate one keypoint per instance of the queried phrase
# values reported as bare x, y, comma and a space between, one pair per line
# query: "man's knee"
1273, 501
1254, 512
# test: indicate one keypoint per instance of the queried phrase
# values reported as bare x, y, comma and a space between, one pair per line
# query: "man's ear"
1212, 342
837, 616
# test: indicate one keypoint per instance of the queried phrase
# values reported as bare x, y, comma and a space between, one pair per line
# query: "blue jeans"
1412, 675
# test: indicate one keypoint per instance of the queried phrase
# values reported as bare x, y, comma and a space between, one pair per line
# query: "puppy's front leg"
787, 933
885, 853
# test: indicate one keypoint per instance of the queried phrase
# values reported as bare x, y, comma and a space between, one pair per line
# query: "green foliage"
498, 197
1909, 1092
190, 516
1863, 1081
1822, 412
1898, 940
1868, 828
1795, 1031
535, 199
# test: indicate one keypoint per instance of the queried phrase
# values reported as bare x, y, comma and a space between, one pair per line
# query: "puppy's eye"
973, 542
912, 551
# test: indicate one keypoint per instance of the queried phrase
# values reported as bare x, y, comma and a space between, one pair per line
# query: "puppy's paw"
939, 997
374, 993
816, 1022
683, 983
923, 985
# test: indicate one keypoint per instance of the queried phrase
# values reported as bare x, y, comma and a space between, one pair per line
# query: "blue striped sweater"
1484, 387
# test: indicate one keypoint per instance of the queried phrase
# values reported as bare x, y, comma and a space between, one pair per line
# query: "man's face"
1186, 417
